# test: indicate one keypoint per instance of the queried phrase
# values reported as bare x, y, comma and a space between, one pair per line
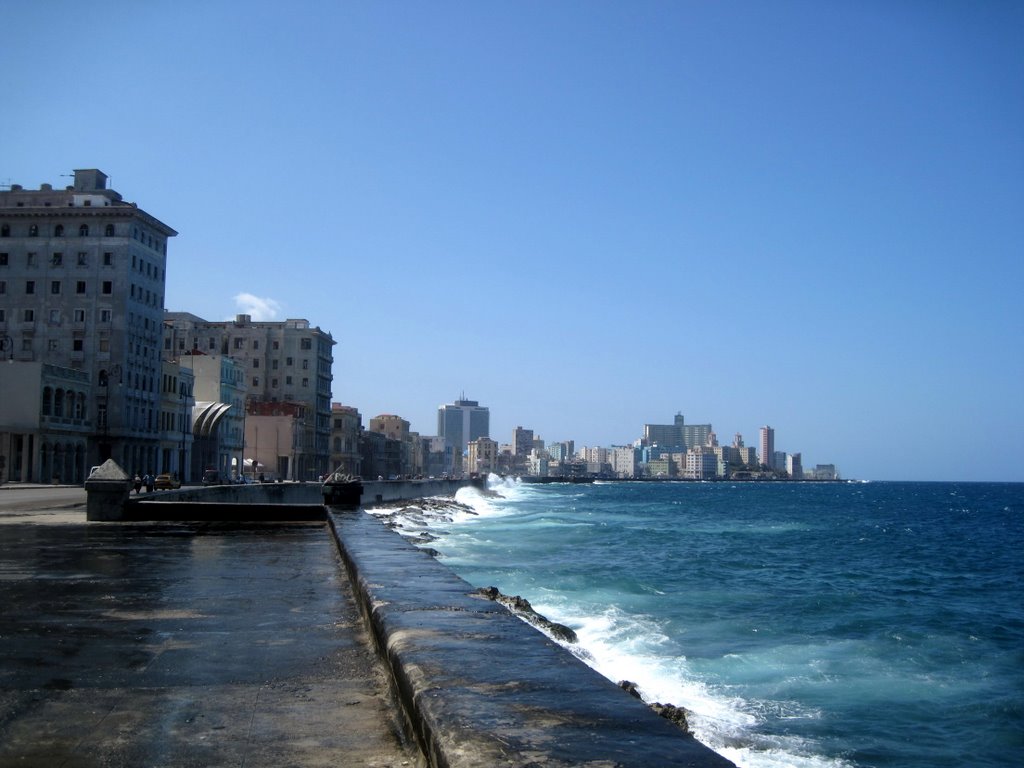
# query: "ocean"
813, 625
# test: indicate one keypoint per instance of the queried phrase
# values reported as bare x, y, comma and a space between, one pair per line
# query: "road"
42, 503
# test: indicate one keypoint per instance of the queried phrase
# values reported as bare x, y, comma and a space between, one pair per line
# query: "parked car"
166, 482
211, 477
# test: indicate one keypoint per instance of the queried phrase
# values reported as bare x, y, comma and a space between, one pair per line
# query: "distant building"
459, 423
794, 467
218, 419
522, 444
274, 435
768, 447
824, 472
482, 456
624, 461
45, 423
82, 277
701, 464
346, 427
538, 463
177, 400
391, 425
678, 436
285, 361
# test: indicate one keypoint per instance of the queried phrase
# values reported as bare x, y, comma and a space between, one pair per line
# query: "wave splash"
616, 643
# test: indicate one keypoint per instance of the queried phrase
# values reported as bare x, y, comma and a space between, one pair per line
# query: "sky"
586, 216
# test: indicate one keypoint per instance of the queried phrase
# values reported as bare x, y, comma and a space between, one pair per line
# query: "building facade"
82, 278
767, 435
459, 423
346, 426
284, 362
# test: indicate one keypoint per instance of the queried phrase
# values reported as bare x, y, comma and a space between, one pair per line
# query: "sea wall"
478, 686
254, 502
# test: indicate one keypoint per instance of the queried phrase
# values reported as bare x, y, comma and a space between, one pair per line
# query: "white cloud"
256, 307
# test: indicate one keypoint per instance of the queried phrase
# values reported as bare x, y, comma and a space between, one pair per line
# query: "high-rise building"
768, 447
285, 361
82, 275
677, 436
522, 443
459, 423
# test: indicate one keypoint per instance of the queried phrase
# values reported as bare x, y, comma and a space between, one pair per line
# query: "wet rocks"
670, 712
521, 607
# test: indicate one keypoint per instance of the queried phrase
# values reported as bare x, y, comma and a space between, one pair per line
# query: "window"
3, 259
276, 345
288, 380
30, 286
55, 316
108, 287
109, 230
239, 343
305, 365
55, 287
26, 345
83, 259
57, 260
3, 315
3, 287
53, 345
30, 258
33, 230
255, 343
5, 230
273, 382
306, 344
29, 316
255, 362
108, 258
288, 362
104, 345
273, 364
83, 231
80, 286
77, 345
305, 382
104, 315
79, 315
255, 381
58, 231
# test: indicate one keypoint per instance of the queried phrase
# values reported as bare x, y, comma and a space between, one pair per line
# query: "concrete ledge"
152, 510
481, 688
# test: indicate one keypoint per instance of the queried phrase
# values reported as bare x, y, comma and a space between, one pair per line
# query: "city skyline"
586, 216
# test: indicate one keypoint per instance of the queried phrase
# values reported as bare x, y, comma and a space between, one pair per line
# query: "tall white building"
768, 447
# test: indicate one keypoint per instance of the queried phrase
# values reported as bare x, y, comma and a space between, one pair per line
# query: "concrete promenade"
181, 644
302, 644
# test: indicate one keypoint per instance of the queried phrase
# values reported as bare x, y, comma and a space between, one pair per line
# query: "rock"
670, 712
521, 607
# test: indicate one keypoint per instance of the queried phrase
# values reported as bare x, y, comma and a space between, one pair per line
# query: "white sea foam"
622, 646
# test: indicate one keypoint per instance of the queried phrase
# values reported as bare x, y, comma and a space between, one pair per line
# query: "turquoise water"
870, 624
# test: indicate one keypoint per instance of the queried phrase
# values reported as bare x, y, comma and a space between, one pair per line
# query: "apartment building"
82, 276
286, 361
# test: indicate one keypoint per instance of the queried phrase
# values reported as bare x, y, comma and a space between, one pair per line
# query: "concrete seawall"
263, 501
478, 686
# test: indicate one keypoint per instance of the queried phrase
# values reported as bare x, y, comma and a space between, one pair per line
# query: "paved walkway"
184, 645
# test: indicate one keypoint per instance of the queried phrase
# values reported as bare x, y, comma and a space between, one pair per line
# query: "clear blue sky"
585, 215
